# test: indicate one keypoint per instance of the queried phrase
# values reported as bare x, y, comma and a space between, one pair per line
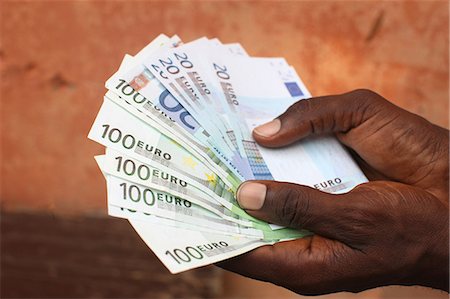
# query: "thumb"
327, 114
299, 207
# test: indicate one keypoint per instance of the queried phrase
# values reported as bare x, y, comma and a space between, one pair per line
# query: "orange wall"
56, 56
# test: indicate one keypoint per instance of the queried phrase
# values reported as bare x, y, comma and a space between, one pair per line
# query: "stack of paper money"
176, 122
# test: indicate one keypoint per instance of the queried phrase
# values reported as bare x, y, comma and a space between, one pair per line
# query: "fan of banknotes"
176, 122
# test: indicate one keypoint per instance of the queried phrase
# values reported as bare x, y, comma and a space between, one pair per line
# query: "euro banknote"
176, 122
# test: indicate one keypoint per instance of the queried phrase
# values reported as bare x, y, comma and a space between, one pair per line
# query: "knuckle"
375, 203
359, 214
363, 93
293, 207
365, 99
363, 205
299, 108
303, 113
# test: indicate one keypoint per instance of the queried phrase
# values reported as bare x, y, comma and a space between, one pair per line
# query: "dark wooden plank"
43, 256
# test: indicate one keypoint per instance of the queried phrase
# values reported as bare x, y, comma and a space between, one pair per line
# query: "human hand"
393, 230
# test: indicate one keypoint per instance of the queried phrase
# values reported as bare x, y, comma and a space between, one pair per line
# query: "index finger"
320, 115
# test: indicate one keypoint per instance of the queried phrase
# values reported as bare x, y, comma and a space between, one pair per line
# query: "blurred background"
56, 239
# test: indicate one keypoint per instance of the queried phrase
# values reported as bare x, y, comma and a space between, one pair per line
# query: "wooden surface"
43, 256
56, 55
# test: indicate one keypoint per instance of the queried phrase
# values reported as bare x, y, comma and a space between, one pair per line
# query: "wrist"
432, 268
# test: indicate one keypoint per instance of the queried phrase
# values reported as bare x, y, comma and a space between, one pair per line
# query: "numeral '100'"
186, 255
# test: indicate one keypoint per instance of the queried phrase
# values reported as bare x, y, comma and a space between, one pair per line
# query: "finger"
371, 173
311, 265
301, 207
338, 113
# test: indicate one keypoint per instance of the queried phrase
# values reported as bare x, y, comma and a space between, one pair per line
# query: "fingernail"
251, 196
269, 129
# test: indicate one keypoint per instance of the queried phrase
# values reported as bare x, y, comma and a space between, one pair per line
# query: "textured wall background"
56, 55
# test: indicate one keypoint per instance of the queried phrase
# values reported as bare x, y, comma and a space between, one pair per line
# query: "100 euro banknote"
177, 122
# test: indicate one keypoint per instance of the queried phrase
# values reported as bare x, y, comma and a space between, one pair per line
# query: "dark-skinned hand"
390, 231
